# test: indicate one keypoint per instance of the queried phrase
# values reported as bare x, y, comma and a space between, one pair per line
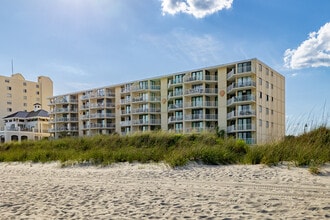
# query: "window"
260, 81
267, 71
260, 122
260, 108
267, 98
9, 88
244, 67
37, 92
9, 110
9, 95
272, 111
24, 104
25, 97
260, 67
25, 90
37, 86
260, 95
271, 86
9, 103
7, 81
272, 98
267, 111
197, 101
24, 83
271, 73
267, 124
267, 84
197, 75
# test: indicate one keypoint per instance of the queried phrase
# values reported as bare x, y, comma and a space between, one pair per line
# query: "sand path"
155, 191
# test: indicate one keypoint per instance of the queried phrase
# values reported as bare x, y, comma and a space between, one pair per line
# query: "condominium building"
18, 94
246, 99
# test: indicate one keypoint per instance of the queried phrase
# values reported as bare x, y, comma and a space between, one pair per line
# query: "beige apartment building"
18, 94
246, 99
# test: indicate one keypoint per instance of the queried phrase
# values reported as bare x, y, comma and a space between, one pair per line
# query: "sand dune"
155, 191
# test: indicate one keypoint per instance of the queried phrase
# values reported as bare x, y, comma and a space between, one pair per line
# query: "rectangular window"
267, 111
260, 122
267, 84
7, 81
25, 90
24, 104
9, 110
197, 75
271, 73
37, 92
9, 103
25, 97
260, 67
272, 111
260, 81
267, 98
37, 86
9, 88
267, 71
9, 95
260, 108
271, 86
244, 67
24, 83
260, 95
267, 124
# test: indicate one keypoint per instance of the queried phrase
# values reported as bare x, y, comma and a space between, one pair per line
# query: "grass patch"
311, 149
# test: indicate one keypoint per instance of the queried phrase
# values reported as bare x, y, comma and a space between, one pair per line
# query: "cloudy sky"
84, 44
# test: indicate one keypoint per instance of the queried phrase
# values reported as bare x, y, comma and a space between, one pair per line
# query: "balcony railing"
125, 101
240, 85
201, 91
241, 127
243, 98
125, 123
147, 122
199, 117
175, 94
175, 106
242, 113
100, 125
204, 104
175, 119
173, 82
200, 78
145, 110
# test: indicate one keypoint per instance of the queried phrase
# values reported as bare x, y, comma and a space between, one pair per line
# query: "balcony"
172, 82
235, 86
100, 126
201, 117
173, 107
243, 113
125, 101
144, 88
240, 128
147, 122
64, 110
200, 78
239, 99
175, 94
64, 119
125, 123
174, 119
199, 129
102, 115
145, 110
201, 91
205, 104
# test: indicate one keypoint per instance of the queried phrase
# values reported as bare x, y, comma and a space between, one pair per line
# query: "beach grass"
311, 149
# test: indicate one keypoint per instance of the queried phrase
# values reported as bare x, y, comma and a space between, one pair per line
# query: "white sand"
155, 191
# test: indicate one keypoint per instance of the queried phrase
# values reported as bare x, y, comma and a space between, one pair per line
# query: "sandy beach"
156, 191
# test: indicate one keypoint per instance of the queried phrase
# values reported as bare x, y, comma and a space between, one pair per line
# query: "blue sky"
85, 44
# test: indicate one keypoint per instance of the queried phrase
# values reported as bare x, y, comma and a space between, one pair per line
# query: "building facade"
23, 125
246, 99
17, 94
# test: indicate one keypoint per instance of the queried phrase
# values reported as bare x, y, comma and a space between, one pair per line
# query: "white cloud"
197, 8
313, 52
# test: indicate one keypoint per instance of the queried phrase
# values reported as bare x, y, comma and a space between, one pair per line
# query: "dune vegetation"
310, 149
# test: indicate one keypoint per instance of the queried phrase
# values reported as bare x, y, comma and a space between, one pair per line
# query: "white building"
23, 125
